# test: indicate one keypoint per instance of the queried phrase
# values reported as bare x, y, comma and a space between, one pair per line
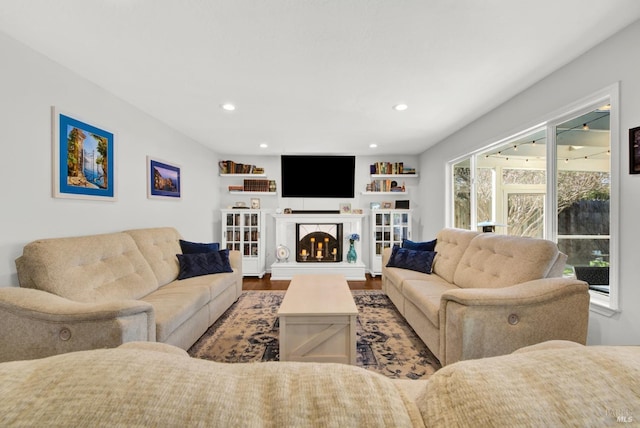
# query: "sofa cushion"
174, 304
419, 246
425, 295
93, 268
217, 284
197, 247
419, 261
199, 264
159, 247
450, 245
493, 261
397, 276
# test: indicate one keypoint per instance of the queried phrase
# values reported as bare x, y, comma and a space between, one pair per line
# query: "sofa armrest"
235, 260
386, 255
38, 324
528, 292
484, 322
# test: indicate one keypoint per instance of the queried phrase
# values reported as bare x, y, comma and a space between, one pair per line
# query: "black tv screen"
322, 176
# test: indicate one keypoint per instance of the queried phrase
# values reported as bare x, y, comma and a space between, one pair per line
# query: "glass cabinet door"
233, 231
400, 227
251, 234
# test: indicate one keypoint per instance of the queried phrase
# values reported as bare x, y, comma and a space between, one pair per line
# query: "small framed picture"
386, 205
345, 208
374, 205
255, 203
356, 211
163, 180
634, 150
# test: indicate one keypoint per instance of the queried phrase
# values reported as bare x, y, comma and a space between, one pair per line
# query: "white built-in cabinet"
388, 227
243, 230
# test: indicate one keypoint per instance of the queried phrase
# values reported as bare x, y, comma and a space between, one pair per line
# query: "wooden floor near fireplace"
265, 283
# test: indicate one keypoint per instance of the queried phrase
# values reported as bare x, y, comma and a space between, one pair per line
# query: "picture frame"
634, 150
387, 205
357, 211
345, 208
374, 205
163, 180
255, 203
83, 157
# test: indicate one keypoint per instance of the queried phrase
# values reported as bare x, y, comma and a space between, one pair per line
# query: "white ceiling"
315, 76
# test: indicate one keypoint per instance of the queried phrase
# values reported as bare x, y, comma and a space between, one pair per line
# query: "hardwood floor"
255, 283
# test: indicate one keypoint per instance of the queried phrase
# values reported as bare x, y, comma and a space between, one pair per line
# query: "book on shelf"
391, 168
256, 185
231, 167
384, 186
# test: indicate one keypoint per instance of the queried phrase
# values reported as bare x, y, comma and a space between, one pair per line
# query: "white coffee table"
318, 320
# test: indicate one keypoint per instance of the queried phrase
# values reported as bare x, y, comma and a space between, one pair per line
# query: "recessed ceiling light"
263, 145
228, 107
400, 107
373, 145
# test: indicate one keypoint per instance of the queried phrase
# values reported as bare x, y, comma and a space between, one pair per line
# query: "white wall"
30, 84
612, 61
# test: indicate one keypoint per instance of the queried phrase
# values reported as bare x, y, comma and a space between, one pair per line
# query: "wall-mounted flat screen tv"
318, 176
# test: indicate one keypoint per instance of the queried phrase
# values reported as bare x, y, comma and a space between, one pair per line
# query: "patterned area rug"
386, 344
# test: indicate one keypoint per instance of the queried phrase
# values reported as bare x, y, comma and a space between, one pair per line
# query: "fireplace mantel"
286, 235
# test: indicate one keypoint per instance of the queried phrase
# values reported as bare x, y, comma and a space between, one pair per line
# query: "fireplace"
319, 242
288, 234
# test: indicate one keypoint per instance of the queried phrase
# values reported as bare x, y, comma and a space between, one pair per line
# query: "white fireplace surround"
286, 235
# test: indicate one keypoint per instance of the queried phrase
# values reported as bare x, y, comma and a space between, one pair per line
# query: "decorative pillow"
419, 246
196, 247
420, 261
198, 264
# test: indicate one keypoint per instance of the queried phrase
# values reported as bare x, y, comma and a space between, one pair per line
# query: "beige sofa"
153, 384
101, 291
489, 295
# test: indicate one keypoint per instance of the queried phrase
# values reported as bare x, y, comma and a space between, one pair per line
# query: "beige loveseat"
489, 295
153, 384
101, 291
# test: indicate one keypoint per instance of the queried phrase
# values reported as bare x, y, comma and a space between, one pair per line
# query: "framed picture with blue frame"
83, 159
163, 179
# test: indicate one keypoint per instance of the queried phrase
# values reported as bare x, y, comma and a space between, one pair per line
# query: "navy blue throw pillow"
196, 247
420, 261
198, 264
419, 246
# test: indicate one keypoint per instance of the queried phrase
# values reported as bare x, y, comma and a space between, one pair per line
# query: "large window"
462, 194
552, 181
510, 180
583, 150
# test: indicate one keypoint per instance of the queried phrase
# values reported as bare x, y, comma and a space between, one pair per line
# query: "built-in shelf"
244, 175
394, 175
242, 192
384, 193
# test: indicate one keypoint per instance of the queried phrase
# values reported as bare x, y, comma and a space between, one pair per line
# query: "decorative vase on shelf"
352, 256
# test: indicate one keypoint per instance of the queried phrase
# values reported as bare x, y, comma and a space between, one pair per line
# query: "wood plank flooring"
265, 283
